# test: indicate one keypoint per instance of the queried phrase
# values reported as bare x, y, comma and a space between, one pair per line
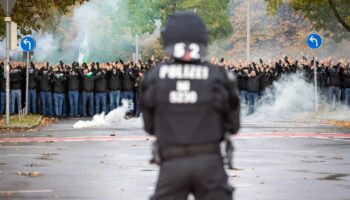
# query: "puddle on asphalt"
334, 177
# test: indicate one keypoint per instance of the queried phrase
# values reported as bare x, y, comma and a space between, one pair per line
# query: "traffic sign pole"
27, 85
28, 44
314, 41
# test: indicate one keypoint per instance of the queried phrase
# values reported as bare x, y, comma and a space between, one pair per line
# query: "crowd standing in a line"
82, 90
333, 77
74, 90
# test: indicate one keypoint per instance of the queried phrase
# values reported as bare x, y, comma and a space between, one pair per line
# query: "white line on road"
37, 147
17, 155
334, 139
276, 151
256, 160
26, 191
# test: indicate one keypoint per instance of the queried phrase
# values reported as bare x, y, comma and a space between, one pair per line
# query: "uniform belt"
174, 152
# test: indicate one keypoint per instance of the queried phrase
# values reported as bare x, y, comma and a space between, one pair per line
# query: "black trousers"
203, 176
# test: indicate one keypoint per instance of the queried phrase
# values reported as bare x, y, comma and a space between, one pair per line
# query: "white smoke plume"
114, 119
293, 98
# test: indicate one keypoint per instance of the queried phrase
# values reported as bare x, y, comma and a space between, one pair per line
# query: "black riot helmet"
185, 37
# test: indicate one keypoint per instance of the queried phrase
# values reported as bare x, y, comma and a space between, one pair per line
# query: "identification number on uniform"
184, 73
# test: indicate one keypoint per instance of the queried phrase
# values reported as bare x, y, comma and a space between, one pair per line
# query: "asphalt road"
274, 161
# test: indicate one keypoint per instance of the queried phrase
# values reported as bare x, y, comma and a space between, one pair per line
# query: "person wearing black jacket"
138, 83
346, 82
45, 78
59, 89
189, 114
73, 92
101, 90
334, 83
2, 89
267, 78
33, 82
242, 84
115, 86
322, 77
16, 78
253, 89
87, 79
128, 86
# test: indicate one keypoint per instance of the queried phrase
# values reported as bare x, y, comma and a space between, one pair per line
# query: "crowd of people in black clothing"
81, 90
333, 77
74, 90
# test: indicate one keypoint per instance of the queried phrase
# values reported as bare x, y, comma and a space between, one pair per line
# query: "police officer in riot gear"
189, 105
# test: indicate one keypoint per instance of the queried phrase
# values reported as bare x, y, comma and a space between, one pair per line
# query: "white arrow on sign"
26, 42
312, 39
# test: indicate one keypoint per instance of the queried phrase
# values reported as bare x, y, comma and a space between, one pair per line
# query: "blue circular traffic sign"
314, 41
28, 44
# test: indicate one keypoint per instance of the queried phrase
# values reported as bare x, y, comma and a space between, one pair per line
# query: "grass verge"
28, 121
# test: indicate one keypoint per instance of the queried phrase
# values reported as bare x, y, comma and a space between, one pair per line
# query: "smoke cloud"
114, 119
293, 98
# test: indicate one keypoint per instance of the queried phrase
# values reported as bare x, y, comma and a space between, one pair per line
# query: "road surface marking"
147, 137
26, 191
256, 160
336, 139
277, 151
36, 147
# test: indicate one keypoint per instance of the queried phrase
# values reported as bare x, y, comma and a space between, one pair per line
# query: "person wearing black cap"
189, 105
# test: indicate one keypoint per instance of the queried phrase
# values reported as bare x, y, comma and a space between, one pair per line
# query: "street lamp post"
7, 6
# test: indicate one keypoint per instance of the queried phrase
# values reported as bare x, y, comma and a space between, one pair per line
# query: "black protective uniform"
189, 105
